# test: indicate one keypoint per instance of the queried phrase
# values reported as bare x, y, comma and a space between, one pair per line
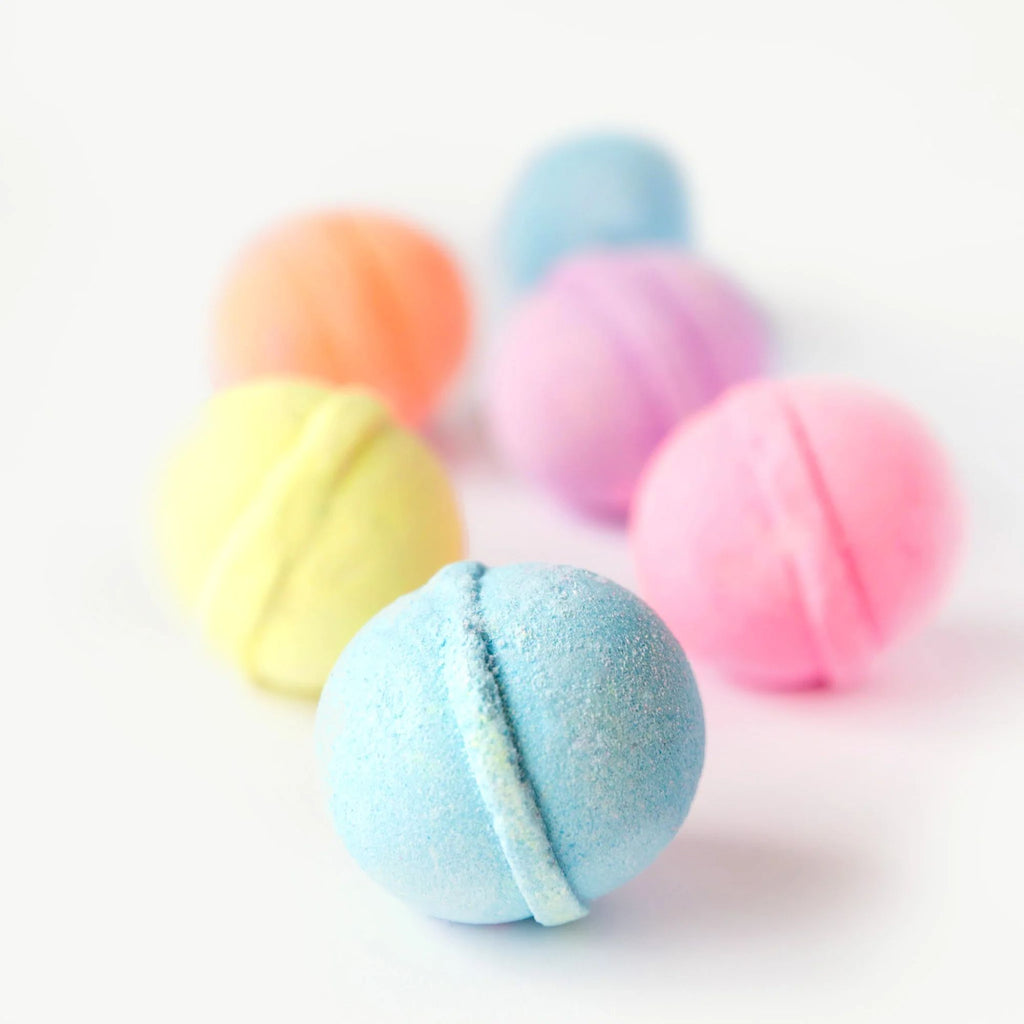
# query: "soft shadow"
732, 888
726, 889
461, 439
960, 673
968, 673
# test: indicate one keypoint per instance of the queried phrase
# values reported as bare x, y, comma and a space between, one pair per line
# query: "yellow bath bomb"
293, 512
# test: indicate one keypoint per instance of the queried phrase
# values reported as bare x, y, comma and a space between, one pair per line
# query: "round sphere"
593, 191
510, 742
290, 514
795, 528
600, 363
348, 298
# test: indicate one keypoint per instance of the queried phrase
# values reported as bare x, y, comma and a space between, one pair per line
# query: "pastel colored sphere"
593, 191
290, 514
602, 361
510, 742
347, 298
794, 529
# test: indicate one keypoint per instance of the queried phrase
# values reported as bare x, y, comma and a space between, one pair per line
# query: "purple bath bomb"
598, 365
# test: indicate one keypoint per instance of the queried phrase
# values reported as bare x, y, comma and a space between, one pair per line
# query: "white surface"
164, 853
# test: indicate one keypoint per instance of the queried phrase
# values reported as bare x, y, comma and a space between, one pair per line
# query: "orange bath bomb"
351, 298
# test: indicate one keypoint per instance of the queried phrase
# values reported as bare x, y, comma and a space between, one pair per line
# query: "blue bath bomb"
512, 742
589, 192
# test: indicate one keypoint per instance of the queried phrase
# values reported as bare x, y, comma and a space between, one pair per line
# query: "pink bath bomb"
599, 364
795, 528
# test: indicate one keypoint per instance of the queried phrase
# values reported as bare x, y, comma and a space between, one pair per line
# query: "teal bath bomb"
511, 742
596, 191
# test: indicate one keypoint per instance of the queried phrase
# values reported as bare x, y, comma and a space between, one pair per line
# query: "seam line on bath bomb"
606, 322
754, 465
324, 344
474, 694
267, 518
397, 315
344, 472
840, 539
334, 336
700, 353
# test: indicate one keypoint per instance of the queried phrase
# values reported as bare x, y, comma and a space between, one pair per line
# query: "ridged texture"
351, 299
827, 582
290, 514
510, 742
792, 530
602, 361
490, 744
659, 372
271, 534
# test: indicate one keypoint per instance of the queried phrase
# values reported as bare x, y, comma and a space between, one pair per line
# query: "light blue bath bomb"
593, 191
512, 742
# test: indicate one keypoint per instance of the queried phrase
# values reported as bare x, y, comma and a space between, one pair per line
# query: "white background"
164, 853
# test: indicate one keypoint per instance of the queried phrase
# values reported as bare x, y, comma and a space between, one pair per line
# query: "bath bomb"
601, 362
511, 742
347, 298
795, 528
594, 191
290, 514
